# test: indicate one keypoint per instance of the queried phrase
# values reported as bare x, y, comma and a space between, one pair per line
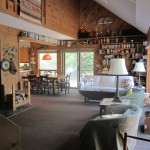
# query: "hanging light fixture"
46, 57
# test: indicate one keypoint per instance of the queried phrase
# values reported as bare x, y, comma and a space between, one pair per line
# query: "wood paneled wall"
91, 12
67, 16
9, 38
63, 16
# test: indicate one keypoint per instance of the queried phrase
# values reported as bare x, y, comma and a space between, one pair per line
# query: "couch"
97, 87
106, 132
137, 97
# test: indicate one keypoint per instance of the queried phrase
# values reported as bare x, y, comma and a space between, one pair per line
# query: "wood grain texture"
9, 38
91, 12
63, 16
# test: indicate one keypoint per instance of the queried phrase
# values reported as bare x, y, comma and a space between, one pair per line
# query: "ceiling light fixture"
47, 57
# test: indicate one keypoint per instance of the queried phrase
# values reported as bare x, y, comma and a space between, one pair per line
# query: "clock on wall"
5, 64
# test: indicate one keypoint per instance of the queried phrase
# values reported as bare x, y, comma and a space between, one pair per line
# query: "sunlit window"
48, 65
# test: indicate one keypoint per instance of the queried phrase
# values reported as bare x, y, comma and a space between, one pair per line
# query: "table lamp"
139, 67
117, 68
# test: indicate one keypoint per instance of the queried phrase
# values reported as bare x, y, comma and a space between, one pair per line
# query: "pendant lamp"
46, 57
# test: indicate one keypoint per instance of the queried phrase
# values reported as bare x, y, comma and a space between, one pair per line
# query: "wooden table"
93, 94
109, 101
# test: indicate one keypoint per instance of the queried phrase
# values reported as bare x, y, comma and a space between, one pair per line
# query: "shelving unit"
128, 47
21, 94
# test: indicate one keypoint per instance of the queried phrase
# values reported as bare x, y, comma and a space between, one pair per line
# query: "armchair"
107, 133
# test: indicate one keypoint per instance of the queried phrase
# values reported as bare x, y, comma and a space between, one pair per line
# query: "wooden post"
148, 71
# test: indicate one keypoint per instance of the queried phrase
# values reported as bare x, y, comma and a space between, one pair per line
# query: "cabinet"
21, 94
24, 54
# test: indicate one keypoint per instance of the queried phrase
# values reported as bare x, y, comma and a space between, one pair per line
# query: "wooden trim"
148, 72
37, 41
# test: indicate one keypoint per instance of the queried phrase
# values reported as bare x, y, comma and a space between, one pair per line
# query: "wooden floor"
142, 145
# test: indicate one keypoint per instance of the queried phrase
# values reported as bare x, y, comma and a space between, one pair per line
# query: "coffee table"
109, 101
94, 94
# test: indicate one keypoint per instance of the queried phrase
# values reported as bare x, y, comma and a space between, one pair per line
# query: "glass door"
86, 67
71, 67
79, 64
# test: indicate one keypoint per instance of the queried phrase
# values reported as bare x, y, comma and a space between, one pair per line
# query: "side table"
109, 101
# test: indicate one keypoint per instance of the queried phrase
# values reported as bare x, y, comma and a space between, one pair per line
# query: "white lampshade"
139, 67
118, 67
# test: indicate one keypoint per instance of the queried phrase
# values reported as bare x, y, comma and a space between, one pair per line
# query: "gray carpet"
55, 122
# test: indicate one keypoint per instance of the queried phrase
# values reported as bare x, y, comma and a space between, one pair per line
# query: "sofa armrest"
136, 98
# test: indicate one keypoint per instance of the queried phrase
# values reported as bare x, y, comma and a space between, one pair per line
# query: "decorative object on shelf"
10, 52
5, 64
8, 62
31, 10
105, 21
12, 68
32, 57
47, 57
139, 67
117, 68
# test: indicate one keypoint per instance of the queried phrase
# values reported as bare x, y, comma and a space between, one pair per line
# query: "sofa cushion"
127, 83
122, 78
96, 80
108, 81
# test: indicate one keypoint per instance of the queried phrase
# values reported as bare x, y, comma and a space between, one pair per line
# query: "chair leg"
125, 141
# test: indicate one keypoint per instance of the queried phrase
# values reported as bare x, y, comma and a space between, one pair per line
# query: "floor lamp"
117, 68
139, 67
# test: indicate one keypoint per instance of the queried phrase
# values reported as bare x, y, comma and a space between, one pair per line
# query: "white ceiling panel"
21, 24
134, 12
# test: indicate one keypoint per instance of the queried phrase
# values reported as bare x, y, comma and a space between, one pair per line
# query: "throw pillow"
127, 83
129, 92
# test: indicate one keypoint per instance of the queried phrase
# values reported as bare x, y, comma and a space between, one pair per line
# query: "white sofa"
97, 87
105, 82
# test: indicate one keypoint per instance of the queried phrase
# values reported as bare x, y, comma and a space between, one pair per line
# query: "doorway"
78, 64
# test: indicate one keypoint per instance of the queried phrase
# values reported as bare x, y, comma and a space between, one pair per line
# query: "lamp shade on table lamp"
139, 67
117, 68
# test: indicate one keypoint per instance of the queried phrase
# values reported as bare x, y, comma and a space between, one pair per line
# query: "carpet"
55, 122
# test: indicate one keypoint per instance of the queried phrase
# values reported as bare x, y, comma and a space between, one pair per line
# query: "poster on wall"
31, 10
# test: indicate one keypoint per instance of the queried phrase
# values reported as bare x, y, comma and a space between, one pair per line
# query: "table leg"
102, 109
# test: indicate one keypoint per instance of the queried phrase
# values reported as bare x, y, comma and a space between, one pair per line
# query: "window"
48, 65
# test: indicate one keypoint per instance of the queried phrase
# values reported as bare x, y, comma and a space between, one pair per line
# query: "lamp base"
117, 99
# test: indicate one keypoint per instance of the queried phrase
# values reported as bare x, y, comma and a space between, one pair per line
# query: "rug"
31, 10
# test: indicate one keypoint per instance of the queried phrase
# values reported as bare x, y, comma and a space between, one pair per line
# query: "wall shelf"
37, 41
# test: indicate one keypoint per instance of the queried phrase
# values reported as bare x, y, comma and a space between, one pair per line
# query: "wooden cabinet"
21, 94
24, 54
